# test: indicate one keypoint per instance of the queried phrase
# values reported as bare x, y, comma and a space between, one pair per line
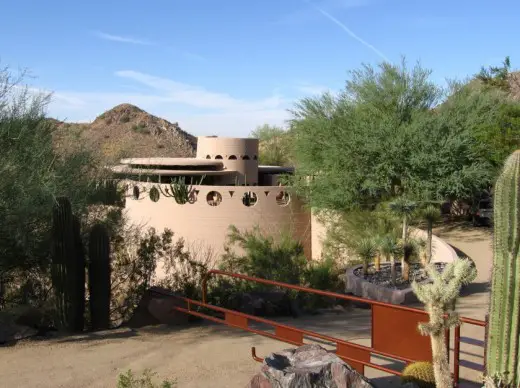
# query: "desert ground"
211, 355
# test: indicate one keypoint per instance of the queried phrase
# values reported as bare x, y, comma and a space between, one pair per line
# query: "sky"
225, 67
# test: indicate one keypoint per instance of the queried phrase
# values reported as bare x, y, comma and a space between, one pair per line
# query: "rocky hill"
128, 131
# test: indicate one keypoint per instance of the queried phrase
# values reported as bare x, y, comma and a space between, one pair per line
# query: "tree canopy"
32, 174
275, 149
392, 131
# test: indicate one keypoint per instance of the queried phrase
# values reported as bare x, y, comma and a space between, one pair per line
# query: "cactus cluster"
99, 277
179, 190
68, 271
67, 267
502, 356
420, 373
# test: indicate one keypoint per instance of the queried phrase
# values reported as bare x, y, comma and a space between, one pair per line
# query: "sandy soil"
211, 355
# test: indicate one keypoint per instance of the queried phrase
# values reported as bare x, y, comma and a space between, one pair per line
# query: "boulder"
155, 308
305, 367
20, 322
265, 303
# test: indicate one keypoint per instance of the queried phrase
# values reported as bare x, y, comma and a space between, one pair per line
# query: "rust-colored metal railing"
402, 317
358, 356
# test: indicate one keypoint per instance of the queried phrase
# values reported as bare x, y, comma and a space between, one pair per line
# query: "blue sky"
224, 67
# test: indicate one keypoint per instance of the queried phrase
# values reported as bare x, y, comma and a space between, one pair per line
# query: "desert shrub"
129, 380
124, 118
279, 259
322, 275
138, 252
33, 173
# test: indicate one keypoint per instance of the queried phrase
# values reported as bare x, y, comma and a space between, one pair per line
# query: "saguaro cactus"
439, 299
502, 359
99, 277
68, 266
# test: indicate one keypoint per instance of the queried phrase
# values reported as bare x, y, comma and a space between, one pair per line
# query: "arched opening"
219, 157
208, 156
245, 157
232, 157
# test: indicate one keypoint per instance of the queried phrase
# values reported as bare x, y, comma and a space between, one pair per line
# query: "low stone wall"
442, 252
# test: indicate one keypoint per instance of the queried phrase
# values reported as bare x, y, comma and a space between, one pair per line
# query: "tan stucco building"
234, 190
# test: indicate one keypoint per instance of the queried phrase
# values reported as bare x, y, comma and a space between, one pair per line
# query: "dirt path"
212, 355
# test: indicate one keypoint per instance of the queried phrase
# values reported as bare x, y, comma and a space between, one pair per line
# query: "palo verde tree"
380, 138
32, 175
275, 145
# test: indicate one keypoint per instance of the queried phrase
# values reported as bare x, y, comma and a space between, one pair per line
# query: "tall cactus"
99, 277
79, 268
67, 269
502, 358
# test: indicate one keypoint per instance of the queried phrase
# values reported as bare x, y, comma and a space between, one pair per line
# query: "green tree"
274, 145
385, 135
355, 145
32, 175
496, 76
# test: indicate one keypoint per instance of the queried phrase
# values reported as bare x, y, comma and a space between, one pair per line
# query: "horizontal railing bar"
281, 325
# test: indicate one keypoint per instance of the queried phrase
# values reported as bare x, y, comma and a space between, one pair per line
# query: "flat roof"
171, 162
125, 169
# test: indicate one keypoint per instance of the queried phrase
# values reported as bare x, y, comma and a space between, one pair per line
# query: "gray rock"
305, 367
19, 323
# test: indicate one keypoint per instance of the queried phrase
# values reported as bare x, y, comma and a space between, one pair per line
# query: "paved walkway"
212, 355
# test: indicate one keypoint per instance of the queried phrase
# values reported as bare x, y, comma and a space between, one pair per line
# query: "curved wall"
236, 154
208, 223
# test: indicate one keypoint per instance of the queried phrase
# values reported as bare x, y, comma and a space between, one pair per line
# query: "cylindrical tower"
240, 155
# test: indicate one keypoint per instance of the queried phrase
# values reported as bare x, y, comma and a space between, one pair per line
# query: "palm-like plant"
409, 249
366, 250
430, 214
389, 248
405, 209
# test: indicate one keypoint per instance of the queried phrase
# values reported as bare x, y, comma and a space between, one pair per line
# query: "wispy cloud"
123, 39
197, 109
349, 31
306, 14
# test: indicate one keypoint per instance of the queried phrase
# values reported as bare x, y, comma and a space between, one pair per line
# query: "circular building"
199, 198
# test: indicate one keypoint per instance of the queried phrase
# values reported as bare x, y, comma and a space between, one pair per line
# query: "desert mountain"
128, 131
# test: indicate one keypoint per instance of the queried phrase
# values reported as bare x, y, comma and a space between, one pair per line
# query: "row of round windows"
214, 198
233, 157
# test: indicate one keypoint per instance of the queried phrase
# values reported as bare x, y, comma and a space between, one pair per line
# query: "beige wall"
243, 154
199, 222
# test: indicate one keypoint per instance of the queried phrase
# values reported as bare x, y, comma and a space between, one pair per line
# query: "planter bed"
377, 285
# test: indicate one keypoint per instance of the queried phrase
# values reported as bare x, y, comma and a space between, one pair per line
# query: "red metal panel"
235, 319
395, 331
292, 335
347, 350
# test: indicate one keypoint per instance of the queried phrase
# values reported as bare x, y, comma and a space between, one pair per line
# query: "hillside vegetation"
127, 131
